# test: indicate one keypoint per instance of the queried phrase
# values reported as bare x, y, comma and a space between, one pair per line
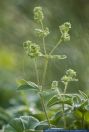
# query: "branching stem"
43, 39
59, 42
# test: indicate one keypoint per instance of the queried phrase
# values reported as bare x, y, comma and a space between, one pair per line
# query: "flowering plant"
71, 110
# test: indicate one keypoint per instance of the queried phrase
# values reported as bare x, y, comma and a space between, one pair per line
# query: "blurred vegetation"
17, 26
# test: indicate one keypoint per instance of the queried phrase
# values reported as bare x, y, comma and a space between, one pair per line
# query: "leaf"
78, 114
83, 94
83, 105
23, 123
59, 115
42, 125
4, 115
54, 100
27, 85
86, 116
8, 128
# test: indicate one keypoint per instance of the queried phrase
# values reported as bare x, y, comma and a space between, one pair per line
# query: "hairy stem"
44, 109
63, 107
43, 78
44, 72
64, 118
66, 85
36, 70
41, 97
43, 39
59, 42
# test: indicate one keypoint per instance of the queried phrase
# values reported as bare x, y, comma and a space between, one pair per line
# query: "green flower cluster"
70, 76
42, 33
64, 29
31, 49
54, 85
38, 14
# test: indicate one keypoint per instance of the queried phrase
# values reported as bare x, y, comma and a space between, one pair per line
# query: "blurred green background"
17, 26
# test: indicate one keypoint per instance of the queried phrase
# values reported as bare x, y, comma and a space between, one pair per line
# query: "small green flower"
38, 14
42, 33
65, 79
71, 73
64, 29
70, 76
31, 49
54, 85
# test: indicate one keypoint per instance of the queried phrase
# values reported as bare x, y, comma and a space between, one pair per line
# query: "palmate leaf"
43, 125
8, 128
22, 124
27, 85
56, 100
83, 94
4, 115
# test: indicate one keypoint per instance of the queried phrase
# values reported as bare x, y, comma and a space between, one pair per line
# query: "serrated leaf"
54, 100
83, 94
4, 115
27, 85
8, 128
42, 125
24, 123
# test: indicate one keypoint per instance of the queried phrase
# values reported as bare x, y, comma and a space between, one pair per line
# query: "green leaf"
83, 94
4, 115
83, 105
8, 128
86, 116
42, 125
78, 114
24, 123
54, 100
27, 85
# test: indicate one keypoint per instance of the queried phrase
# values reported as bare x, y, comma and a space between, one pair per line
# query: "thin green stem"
43, 78
41, 97
44, 109
66, 85
45, 70
55, 46
36, 70
64, 118
63, 107
82, 120
43, 39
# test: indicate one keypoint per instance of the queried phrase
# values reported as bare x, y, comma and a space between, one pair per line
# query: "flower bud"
42, 33
64, 29
38, 14
54, 85
70, 76
31, 49
71, 73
